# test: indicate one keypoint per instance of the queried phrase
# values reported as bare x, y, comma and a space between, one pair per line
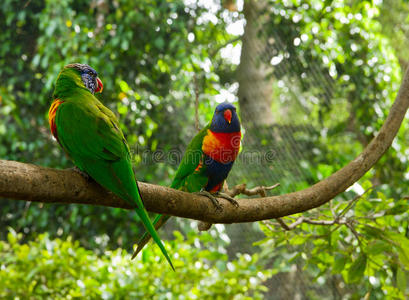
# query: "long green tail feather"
145, 238
141, 211
157, 222
151, 230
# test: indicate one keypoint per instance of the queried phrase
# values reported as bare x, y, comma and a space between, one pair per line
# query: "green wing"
93, 140
189, 163
90, 134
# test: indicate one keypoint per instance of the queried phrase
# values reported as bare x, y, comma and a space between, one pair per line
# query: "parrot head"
88, 76
225, 119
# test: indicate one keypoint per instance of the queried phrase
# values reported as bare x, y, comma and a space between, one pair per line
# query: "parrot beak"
100, 86
227, 115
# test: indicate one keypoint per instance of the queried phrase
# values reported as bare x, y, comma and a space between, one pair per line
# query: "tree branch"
303, 219
258, 190
33, 183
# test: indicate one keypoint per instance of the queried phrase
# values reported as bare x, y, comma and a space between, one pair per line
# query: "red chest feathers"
222, 147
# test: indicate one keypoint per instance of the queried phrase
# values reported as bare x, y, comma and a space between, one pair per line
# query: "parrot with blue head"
207, 161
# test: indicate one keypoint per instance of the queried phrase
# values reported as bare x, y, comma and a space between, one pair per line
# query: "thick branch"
33, 183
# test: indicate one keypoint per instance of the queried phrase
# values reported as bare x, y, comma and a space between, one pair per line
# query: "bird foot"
82, 173
228, 198
214, 200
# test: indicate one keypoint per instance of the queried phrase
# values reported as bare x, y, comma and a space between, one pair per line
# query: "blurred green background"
313, 82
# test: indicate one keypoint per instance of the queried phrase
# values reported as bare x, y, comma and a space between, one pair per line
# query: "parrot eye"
91, 73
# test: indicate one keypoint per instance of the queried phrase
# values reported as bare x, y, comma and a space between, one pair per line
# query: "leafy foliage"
360, 246
336, 72
57, 269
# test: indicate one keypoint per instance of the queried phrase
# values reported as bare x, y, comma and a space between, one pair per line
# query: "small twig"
269, 224
283, 224
356, 234
300, 220
297, 222
258, 190
27, 3
354, 200
338, 219
372, 216
343, 221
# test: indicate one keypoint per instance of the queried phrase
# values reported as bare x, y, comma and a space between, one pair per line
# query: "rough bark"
255, 85
33, 183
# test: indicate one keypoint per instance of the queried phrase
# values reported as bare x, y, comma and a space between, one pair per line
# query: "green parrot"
90, 134
207, 161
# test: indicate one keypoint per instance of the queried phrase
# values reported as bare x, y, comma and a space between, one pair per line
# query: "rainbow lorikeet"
90, 134
207, 161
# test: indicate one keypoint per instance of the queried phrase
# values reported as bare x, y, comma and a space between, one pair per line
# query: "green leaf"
340, 261
404, 256
401, 280
357, 269
299, 239
376, 247
401, 244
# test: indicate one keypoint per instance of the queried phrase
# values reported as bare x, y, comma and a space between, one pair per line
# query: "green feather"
189, 163
187, 179
90, 134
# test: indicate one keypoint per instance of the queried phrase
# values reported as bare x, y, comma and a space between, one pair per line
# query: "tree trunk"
255, 84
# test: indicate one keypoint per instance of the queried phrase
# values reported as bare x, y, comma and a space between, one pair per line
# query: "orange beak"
100, 86
227, 115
